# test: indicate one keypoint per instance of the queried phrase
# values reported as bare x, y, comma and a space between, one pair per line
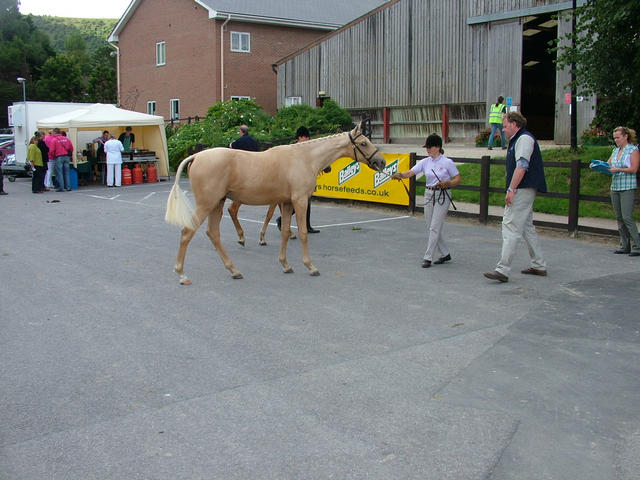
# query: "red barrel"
137, 174
126, 175
152, 174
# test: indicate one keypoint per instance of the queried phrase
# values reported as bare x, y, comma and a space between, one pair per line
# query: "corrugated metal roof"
327, 14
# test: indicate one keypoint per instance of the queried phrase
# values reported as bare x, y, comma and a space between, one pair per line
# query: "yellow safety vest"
496, 113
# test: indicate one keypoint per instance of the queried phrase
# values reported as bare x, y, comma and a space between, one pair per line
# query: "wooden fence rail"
574, 196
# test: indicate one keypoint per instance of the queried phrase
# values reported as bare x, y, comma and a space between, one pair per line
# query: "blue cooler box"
73, 178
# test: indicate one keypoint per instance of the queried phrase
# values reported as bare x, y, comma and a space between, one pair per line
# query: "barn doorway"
538, 95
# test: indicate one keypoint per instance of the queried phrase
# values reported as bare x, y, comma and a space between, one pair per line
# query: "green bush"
595, 136
483, 137
231, 114
336, 119
187, 136
220, 127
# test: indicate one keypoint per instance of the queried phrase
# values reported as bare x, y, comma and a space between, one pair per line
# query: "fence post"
385, 125
445, 123
485, 175
574, 197
412, 184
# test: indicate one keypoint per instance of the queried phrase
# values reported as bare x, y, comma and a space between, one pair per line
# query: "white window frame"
161, 54
240, 97
151, 107
289, 101
239, 36
174, 109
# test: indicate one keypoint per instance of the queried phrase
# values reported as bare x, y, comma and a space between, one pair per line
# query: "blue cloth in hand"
600, 166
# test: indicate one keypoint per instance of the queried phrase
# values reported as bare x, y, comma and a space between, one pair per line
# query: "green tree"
102, 85
607, 59
94, 31
8, 5
75, 47
61, 81
23, 51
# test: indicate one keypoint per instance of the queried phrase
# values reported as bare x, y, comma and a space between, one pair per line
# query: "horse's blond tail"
179, 209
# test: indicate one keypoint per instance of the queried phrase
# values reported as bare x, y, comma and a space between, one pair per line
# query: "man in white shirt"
114, 148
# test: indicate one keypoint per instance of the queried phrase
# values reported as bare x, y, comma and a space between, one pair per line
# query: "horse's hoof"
237, 275
287, 270
262, 242
185, 282
241, 242
314, 273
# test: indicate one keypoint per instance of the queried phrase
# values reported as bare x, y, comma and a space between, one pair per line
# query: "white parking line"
330, 224
365, 221
101, 197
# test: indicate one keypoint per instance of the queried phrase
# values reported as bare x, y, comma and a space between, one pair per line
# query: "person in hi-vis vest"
495, 120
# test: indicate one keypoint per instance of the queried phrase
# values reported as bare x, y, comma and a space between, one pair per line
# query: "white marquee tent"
148, 129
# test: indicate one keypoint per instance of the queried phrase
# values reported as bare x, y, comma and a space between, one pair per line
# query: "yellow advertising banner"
350, 179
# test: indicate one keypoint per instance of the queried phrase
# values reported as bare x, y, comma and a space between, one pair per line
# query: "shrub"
483, 137
231, 114
287, 120
595, 136
186, 136
220, 127
336, 119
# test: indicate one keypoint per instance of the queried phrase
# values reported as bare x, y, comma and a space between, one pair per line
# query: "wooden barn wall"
413, 57
412, 53
504, 62
586, 108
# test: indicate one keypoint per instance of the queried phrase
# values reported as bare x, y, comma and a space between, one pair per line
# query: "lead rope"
442, 197
445, 191
405, 187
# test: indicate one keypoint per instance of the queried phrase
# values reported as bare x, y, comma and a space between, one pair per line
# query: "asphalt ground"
376, 369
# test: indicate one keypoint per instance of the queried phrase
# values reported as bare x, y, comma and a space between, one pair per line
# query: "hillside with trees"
94, 31
62, 59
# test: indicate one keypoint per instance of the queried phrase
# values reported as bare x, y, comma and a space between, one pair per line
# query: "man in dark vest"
246, 141
525, 177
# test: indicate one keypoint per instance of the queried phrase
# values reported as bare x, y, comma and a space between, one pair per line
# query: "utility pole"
574, 109
23, 81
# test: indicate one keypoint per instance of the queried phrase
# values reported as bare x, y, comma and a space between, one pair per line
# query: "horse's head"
364, 151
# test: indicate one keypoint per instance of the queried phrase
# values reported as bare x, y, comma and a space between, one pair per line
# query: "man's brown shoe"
496, 275
534, 271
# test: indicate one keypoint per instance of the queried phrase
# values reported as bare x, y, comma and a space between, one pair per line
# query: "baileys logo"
382, 178
348, 172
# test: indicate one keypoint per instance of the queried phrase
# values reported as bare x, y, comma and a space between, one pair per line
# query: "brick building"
176, 58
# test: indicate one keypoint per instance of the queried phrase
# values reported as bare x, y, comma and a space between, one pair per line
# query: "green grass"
558, 180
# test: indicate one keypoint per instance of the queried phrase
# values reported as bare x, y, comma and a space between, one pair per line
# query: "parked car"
10, 168
7, 147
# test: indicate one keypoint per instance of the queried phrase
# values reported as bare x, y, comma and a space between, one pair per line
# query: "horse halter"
357, 148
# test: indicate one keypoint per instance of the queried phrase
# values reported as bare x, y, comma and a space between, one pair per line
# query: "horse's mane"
320, 139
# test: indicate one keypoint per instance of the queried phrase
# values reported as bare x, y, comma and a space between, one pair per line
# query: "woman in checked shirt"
624, 164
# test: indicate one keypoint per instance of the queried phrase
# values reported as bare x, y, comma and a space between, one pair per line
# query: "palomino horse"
233, 213
284, 175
